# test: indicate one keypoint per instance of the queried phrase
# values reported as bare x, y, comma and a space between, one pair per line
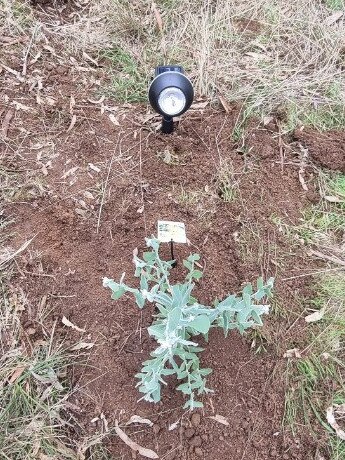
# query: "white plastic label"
171, 231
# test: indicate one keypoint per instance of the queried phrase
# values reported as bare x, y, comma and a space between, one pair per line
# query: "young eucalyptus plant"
180, 317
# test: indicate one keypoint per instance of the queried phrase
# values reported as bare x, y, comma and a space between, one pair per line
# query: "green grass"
335, 5
325, 117
325, 219
316, 381
15, 16
128, 81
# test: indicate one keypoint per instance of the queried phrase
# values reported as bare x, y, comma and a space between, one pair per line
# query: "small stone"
204, 437
189, 432
286, 457
273, 453
156, 428
198, 452
196, 419
221, 438
196, 441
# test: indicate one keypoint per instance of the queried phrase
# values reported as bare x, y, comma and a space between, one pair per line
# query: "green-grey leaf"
196, 274
116, 294
201, 324
185, 388
139, 299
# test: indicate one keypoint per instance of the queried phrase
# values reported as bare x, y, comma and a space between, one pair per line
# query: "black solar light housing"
170, 94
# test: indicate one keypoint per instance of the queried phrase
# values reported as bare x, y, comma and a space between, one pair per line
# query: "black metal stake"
174, 264
167, 125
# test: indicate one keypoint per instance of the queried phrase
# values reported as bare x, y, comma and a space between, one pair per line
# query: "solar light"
170, 94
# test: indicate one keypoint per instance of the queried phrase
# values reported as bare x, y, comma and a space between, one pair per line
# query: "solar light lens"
171, 101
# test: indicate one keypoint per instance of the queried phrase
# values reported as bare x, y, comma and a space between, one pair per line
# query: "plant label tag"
171, 231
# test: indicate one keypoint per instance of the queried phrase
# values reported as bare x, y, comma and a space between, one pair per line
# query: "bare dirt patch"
327, 149
238, 241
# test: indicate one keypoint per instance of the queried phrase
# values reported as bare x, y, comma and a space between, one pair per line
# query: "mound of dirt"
326, 149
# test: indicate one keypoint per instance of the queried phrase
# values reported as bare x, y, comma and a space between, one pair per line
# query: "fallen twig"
333, 259
6, 122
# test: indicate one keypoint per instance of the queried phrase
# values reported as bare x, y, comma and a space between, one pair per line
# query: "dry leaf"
16, 374
89, 58
174, 425
146, 118
113, 119
81, 212
255, 55
316, 316
6, 122
105, 422
158, 17
71, 104
83, 204
340, 408
220, 419
333, 199
82, 346
148, 453
24, 108
293, 353
138, 419
73, 121
333, 18
44, 170
199, 105
88, 195
69, 172
318, 456
331, 420
94, 168
68, 323
302, 180
99, 101
267, 120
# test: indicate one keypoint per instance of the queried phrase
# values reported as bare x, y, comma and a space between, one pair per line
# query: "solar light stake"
170, 94
167, 125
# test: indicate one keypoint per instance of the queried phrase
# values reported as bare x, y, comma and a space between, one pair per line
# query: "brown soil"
326, 149
238, 242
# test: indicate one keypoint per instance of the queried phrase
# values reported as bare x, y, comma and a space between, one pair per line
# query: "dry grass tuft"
266, 53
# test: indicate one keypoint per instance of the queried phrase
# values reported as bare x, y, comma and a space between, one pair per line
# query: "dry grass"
268, 54
316, 380
265, 53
